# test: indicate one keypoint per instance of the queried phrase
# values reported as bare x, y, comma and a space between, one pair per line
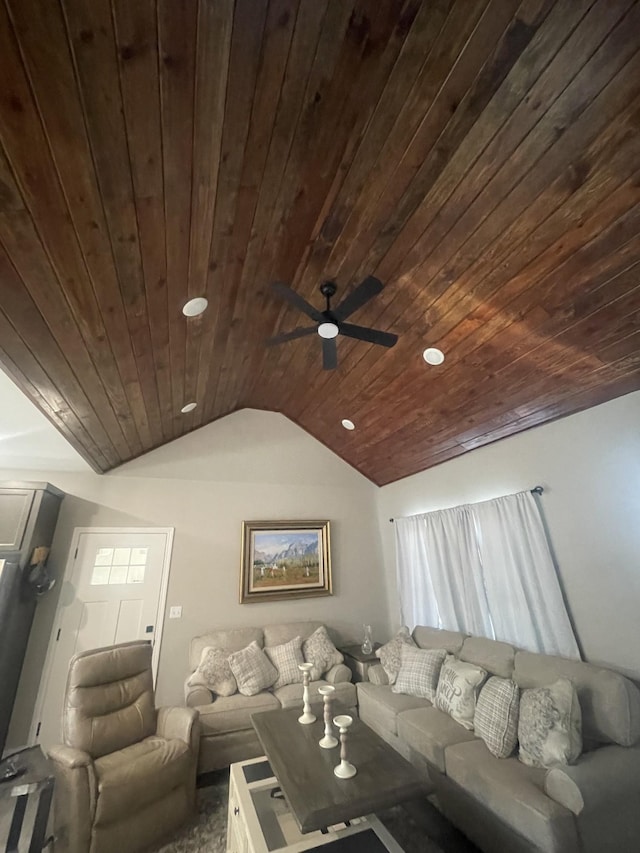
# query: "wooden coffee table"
316, 797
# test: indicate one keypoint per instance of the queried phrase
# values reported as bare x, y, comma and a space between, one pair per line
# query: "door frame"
70, 572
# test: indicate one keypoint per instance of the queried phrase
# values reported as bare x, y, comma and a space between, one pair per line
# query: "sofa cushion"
550, 727
497, 658
389, 654
227, 639
458, 690
233, 713
133, 777
610, 703
214, 673
291, 695
319, 650
513, 792
438, 638
376, 702
497, 714
430, 731
253, 670
276, 635
419, 672
287, 659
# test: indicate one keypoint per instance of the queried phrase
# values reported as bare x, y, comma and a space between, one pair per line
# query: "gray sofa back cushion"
437, 638
610, 703
497, 658
277, 635
228, 639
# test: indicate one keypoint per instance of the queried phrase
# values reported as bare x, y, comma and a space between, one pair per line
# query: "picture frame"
285, 559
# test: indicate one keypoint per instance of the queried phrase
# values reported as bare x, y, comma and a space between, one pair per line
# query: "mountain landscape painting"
285, 560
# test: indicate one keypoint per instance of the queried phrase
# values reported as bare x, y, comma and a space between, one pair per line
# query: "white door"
113, 593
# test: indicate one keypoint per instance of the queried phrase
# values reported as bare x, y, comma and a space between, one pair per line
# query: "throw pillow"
550, 727
252, 669
214, 673
419, 671
389, 654
496, 718
286, 659
458, 689
320, 651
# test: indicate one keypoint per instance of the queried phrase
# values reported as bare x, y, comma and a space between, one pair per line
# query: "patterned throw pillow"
320, 651
458, 689
550, 727
419, 671
252, 669
496, 719
286, 659
214, 673
389, 654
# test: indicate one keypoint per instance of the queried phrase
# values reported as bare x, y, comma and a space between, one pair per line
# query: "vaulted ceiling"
480, 157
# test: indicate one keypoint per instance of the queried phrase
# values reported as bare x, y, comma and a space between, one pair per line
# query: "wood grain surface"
481, 158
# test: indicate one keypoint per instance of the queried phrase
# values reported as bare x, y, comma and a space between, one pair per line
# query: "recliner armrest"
69, 757
377, 675
338, 674
601, 777
74, 803
180, 723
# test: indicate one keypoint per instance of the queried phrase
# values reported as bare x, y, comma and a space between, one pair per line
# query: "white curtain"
484, 569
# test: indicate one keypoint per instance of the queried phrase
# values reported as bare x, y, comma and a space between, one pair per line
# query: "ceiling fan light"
433, 356
328, 330
195, 307
188, 408
347, 424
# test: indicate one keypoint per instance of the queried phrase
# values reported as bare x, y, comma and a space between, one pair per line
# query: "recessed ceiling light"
347, 424
433, 356
328, 330
194, 307
188, 408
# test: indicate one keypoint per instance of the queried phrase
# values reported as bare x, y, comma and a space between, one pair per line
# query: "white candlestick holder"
328, 741
344, 770
307, 717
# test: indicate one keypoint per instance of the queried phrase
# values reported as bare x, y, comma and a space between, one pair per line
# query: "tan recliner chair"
125, 776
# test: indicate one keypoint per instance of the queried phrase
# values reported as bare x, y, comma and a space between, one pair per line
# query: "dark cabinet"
28, 516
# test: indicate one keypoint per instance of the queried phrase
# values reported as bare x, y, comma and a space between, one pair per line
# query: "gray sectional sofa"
503, 805
226, 731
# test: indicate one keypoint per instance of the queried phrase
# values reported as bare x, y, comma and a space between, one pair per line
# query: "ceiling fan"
330, 322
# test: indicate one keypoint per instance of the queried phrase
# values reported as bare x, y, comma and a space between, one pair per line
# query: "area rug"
418, 829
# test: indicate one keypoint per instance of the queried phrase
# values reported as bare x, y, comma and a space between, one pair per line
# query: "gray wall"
589, 465
251, 465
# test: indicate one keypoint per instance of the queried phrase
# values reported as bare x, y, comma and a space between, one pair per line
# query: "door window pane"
139, 556
118, 574
136, 574
104, 557
121, 556
100, 575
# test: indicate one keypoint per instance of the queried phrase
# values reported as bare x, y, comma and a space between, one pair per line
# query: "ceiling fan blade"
299, 332
365, 291
373, 336
329, 354
295, 299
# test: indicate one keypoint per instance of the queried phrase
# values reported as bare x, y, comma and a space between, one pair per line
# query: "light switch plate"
175, 612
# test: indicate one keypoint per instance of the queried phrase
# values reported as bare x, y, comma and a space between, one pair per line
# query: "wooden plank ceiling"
480, 157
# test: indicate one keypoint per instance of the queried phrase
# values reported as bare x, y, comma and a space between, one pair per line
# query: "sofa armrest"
74, 803
198, 695
606, 776
338, 674
377, 675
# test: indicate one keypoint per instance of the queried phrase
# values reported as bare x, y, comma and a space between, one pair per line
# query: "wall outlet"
175, 612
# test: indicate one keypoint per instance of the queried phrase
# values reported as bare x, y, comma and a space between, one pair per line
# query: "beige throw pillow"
390, 654
550, 726
214, 673
419, 671
458, 689
320, 651
253, 669
286, 659
496, 718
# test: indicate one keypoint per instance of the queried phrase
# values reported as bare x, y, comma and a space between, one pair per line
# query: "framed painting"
284, 559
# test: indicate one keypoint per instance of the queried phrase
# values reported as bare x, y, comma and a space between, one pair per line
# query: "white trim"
68, 576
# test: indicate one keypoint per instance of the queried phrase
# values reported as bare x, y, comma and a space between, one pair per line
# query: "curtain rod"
536, 490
